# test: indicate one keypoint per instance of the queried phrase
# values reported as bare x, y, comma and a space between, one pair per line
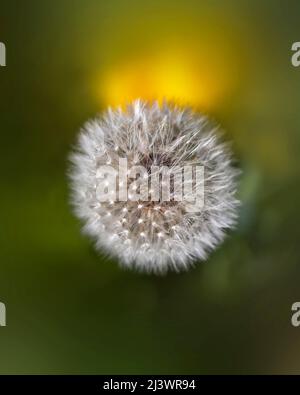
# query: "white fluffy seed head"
154, 235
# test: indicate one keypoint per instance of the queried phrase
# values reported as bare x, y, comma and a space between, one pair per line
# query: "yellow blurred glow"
177, 76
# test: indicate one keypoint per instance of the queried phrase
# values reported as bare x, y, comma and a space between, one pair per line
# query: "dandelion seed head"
154, 235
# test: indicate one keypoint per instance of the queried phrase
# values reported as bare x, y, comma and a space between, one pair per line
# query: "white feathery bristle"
154, 235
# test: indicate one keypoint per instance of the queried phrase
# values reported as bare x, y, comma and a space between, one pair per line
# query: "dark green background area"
70, 310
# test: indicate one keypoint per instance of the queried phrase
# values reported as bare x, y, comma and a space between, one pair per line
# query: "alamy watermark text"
2, 314
2, 54
296, 54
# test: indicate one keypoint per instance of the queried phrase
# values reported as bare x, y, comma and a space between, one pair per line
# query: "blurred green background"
70, 310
